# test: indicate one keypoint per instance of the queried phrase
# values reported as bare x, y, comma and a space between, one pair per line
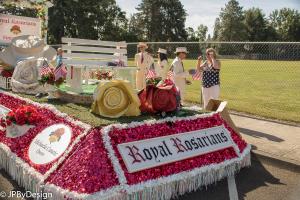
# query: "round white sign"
50, 144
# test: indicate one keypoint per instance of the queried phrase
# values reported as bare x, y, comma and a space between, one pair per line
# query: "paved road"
273, 139
266, 180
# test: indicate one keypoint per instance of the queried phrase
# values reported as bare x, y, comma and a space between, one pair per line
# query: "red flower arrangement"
160, 97
48, 76
102, 75
7, 73
24, 114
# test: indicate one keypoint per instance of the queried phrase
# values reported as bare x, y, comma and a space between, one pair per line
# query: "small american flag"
60, 72
197, 75
46, 69
151, 74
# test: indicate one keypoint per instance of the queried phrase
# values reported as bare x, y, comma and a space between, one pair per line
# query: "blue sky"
206, 11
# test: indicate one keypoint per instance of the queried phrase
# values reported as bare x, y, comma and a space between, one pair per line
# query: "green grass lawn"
266, 88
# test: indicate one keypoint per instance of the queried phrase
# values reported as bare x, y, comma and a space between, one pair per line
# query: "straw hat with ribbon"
142, 44
24, 47
160, 50
181, 50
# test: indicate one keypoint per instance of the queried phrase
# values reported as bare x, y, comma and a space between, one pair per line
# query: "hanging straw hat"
181, 50
142, 44
160, 50
24, 47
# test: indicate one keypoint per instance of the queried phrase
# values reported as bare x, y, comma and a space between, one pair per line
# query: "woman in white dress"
162, 66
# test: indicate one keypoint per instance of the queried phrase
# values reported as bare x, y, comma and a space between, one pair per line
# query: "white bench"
81, 56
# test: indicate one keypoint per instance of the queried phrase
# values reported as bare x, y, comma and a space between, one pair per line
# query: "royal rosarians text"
144, 154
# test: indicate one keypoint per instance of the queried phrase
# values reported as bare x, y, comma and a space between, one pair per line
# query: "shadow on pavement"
248, 179
254, 177
258, 134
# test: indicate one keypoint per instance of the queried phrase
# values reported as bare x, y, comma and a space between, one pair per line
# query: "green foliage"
232, 27
201, 32
234, 24
160, 20
191, 35
286, 22
255, 25
13, 10
217, 28
198, 35
90, 19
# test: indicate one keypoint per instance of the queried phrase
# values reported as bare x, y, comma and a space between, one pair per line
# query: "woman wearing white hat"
143, 61
179, 72
162, 63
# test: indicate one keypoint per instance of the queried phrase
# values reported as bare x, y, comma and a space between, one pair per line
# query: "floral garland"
14, 157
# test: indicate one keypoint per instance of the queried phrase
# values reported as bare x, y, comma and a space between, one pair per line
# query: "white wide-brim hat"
24, 47
142, 44
160, 50
181, 50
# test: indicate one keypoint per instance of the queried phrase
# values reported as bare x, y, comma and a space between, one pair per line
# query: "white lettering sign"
149, 153
12, 26
50, 144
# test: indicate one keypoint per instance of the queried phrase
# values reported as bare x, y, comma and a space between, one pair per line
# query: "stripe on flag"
46, 69
197, 75
60, 72
151, 74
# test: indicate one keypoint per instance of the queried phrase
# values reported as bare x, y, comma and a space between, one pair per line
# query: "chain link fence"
261, 78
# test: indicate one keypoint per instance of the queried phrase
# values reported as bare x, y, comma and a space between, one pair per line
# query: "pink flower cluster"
88, 169
162, 129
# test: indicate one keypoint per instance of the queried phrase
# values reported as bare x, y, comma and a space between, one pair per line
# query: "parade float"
135, 145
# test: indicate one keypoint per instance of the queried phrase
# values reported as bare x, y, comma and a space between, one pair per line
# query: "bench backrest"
92, 53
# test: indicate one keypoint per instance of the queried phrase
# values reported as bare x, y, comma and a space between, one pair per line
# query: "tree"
191, 35
201, 32
232, 27
217, 28
162, 20
100, 19
286, 23
208, 37
11, 9
134, 32
255, 25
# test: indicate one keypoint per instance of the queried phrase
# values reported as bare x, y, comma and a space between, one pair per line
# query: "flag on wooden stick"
46, 69
151, 74
197, 75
